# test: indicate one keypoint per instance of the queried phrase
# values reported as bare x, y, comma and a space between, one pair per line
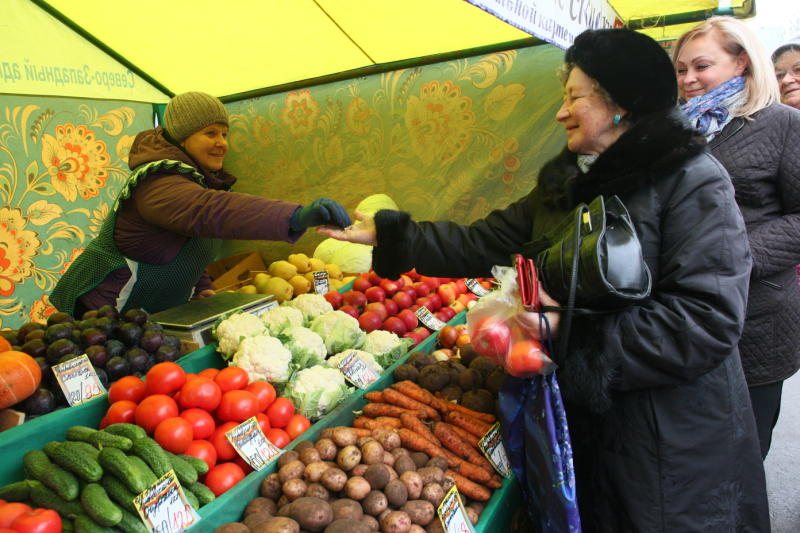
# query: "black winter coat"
663, 434
762, 155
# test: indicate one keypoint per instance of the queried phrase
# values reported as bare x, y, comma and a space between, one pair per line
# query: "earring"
617, 119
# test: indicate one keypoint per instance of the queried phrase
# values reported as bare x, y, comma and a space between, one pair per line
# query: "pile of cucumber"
92, 478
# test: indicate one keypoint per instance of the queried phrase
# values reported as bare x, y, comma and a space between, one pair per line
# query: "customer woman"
154, 246
732, 99
786, 60
661, 426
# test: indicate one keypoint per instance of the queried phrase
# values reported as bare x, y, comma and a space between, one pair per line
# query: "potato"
388, 458
420, 511
358, 470
392, 472
375, 503
283, 500
232, 527
384, 513
357, 488
254, 520
388, 438
377, 475
348, 457
372, 452
435, 527
287, 457
313, 471
285, 509
431, 474
294, 489
404, 464
399, 452
396, 493
327, 449
420, 459
439, 462
309, 455
278, 524
363, 440
346, 525
315, 490
477, 506
472, 515
258, 504
271, 487
344, 437
413, 483
416, 529
312, 514
302, 445
333, 479
433, 492
291, 470
347, 508
396, 522
447, 483
371, 522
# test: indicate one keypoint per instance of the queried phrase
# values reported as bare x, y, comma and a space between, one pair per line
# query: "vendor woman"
153, 248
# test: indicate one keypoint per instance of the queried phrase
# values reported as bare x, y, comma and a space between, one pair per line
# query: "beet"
59, 349
151, 340
98, 355
130, 333
40, 402
35, 348
136, 316
117, 367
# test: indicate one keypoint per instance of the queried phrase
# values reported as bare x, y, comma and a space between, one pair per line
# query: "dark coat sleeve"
450, 249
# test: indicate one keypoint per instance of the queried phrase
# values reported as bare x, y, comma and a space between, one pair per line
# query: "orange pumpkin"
4, 345
20, 376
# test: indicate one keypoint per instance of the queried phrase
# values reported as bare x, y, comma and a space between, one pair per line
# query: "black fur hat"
630, 66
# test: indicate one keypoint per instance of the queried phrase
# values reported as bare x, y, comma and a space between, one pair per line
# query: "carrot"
389, 422
473, 440
412, 390
468, 488
476, 427
453, 442
380, 422
374, 396
419, 443
384, 409
416, 425
465, 468
362, 422
401, 400
445, 407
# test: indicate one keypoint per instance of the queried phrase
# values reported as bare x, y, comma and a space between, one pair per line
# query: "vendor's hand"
529, 321
204, 294
362, 232
323, 211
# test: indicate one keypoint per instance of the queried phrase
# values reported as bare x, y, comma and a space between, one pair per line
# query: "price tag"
249, 441
426, 317
321, 285
492, 447
356, 371
476, 288
78, 380
452, 513
163, 506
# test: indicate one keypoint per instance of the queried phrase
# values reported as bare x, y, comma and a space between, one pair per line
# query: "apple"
375, 294
378, 308
433, 283
350, 310
465, 299
334, 298
434, 302
395, 325
447, 293
422, 288
407, 281
413, 308
361, 284
408, 289
416, 337
422, 330
402, 299
526, 359
457, 306
447, 336
460, 286
390, 286
423, 301
492, 338
441, 316
413, 274
355, 298
409, 318
462, 340
374, 278
369, 321
391, 307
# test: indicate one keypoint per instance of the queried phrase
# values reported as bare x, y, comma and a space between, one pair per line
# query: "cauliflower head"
338, 330
311, 305
307, 347
386, 346
278, 319
317, 390
233, 329
264, 357
367, 357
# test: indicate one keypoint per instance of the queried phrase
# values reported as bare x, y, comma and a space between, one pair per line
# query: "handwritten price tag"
249, 441
492, 447
321, 285
163, 506
78, 380
356, 371
476, 288
452, 513
426, 317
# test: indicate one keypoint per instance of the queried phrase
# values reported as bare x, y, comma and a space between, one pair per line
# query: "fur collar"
655, 147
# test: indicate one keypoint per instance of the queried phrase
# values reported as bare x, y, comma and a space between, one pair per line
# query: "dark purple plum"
151, 340
130, 334
115, 348
98, 355
91, 313
92, 336
137, 316
166, 352
58, 331
117, 367
59, 349
138, 359
35, 348
108, 311
58, 318
40, 402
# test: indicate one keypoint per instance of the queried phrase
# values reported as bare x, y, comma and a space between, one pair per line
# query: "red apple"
361, 284
402, 299
395, 325
334, 298
433, 283
407, 281
374, 278
413, 274
408, 289
457, 306
355, 298
369, 321
422, 301
409, 318
413, 308
375, 294
447, 336
441, 315
390, 286
447, 293
422, 288
416, 337
465, 298
460, 286
379, 308
434, 302
492, 338
391, 307
350, 310
449, 311
422, 330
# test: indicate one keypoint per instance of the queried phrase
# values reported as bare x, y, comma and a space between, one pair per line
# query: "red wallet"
528, 282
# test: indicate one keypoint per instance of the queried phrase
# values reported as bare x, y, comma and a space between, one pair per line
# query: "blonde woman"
732, 98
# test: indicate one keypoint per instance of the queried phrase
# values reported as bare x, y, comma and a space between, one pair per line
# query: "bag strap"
584, 217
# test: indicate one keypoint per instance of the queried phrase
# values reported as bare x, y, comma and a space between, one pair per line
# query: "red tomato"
237, 406
223, 476
526, 359
202, 422
278, 437
232, 378
122, 411
246, 468
297, 424
280, 412
225, 450
127, 388
153, 410
263, 422
174, 434
200, 392
104, 423
190, 376
10, 511
209, 373
37, 521
202, 449
165, 378
264, 392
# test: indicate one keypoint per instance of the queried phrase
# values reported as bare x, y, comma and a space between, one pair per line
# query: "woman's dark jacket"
661, 424
762, 156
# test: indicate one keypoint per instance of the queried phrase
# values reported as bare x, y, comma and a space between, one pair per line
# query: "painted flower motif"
76, 161
439, 122
502, 100
300, 112
18, 246
99, 216
262, 131
124, 147
41, 309
357, 116
511, 145
512, 163
72, 257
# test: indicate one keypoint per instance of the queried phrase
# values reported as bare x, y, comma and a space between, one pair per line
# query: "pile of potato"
344, 483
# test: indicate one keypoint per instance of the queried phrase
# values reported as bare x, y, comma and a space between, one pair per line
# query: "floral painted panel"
62, 162
452, 140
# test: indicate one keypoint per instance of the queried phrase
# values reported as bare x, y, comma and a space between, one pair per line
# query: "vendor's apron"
151, 287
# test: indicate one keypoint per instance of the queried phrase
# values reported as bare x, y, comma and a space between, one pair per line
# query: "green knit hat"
190, 112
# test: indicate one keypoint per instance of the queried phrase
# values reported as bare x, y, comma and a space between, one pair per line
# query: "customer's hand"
362, 232
323, 211
529, 321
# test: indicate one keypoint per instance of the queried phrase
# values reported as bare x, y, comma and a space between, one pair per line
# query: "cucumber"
199, 465
67, 525
99, 506
203, 493
129, 431
131, 523
50, 447
114, 461
81, 433
74, 458
191, 498
84, 524
16, 492
153, 455
118, 492
102, 439
139, 463
86, 447
44, 497
184, 471
39, 467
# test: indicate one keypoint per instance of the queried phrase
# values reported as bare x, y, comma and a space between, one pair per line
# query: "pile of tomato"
17, 517
190, 413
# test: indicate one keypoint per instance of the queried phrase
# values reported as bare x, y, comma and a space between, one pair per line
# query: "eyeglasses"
794, 72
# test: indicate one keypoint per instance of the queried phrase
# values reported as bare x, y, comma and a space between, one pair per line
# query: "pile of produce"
293, 276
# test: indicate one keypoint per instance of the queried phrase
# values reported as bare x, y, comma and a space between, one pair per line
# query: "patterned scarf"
711, 112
